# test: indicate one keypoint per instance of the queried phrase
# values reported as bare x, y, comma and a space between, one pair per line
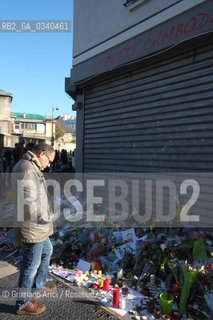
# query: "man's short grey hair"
43, 147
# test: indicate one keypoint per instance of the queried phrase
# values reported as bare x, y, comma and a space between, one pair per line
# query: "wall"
5, 106
5, 102
49, 125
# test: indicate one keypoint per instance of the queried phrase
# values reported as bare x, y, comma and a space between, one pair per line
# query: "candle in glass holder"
93, 266
146, 291
152, 279
125, 290
150, 305
100, 282
106, 284
176, 288
98, 265
175, 316
123, 302
116, 297
156, 312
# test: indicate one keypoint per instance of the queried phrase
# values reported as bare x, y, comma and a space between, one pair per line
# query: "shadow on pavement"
7, 308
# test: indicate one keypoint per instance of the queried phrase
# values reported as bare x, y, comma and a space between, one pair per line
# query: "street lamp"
53, 138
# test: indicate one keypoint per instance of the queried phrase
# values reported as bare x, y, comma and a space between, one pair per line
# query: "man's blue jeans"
34, 269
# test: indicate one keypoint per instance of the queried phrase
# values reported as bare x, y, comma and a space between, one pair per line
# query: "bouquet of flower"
190, 275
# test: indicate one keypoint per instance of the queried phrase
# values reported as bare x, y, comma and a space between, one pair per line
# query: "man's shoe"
32, 308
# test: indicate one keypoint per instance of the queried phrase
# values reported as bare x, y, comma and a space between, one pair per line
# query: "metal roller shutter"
155, 118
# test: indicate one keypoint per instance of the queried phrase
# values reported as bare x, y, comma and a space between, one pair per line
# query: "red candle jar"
150, 306
125, 290
116, 298
176, 288
146, 292
106, 284
175, 316
98, 265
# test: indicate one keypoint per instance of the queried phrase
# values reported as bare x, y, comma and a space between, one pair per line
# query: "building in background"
22, 127
6, 139
69, 121
142, 80
32, 127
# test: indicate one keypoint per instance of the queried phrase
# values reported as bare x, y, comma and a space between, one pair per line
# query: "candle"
106, 284
146, 291
176, 288
124, 290
98, 265
123, 302
100, 282
175, 316
156, 312
93, 266
150, 306
116, 298
152, 279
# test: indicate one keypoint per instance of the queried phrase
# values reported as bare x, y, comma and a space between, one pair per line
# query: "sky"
33, 66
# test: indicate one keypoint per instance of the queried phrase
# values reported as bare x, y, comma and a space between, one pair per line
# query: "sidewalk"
57, 307
6, 269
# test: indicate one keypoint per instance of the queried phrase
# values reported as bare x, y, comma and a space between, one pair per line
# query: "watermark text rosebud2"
108, 200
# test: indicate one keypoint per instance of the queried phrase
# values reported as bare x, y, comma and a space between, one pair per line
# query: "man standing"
34, 221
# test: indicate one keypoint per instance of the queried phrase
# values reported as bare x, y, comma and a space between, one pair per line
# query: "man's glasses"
48, 158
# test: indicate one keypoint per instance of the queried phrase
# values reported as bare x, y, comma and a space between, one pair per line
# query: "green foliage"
59, 130
189, 279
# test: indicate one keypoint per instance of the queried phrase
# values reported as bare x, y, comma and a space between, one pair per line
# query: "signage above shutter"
192, 23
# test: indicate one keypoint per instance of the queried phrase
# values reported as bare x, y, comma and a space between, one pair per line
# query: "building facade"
32, 127
6, 139
142, 81
22, 127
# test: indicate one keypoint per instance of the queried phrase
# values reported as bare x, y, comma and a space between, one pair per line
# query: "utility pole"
53, 136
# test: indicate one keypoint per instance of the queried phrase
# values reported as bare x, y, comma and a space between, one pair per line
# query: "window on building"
17, 126
40, 128
30, 126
